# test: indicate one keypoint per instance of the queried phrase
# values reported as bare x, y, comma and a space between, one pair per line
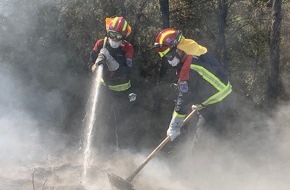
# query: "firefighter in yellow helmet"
202, 81
115, 53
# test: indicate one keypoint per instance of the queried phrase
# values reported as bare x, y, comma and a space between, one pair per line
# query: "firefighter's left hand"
129, 62
89, 66
132, 97
93, 68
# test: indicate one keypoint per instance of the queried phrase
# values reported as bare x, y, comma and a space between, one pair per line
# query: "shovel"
125, 184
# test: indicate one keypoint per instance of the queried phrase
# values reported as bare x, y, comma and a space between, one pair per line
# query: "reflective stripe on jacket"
223, 90
207, 83
118, 87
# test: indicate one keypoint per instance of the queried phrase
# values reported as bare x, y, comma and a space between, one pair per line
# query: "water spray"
91, 114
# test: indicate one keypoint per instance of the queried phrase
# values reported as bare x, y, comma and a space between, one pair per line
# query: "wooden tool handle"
159, 147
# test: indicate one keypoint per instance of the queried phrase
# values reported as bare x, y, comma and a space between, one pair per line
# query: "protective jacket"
202, 81
118, 80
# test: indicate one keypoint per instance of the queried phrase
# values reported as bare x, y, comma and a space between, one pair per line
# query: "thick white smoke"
259, 160
31, 114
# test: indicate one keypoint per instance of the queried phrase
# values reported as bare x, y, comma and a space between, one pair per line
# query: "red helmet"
166, 40
118, 24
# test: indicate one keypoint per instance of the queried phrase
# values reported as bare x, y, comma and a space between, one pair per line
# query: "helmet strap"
178, 36
181, 55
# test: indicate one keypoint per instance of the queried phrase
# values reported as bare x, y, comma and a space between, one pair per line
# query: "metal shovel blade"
119, 182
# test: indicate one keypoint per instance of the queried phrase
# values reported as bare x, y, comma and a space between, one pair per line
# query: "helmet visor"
115, 35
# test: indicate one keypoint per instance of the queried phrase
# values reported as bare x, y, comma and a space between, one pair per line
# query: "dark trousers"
218, 118
114, 127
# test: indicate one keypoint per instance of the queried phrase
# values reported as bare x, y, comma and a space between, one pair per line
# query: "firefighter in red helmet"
115, 54
203, 83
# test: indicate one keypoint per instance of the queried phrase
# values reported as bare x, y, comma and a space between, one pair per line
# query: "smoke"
38, 88
33, 102
258, 160
25, 113
18, 129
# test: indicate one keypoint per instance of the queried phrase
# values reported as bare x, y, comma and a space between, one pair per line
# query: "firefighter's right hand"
100, 59
174, 127
197, 107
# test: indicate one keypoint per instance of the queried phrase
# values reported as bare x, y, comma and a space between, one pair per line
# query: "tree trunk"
137, 20
222, 16
274, 43
164, 8
121, 5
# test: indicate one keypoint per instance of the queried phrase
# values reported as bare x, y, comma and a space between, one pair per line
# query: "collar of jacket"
191, 47
184, 72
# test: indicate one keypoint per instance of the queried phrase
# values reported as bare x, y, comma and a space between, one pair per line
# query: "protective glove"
197, 107
89, 65
100, 59
132, 97
93, 68
105, 52
129, 62
112, 64
174, 127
